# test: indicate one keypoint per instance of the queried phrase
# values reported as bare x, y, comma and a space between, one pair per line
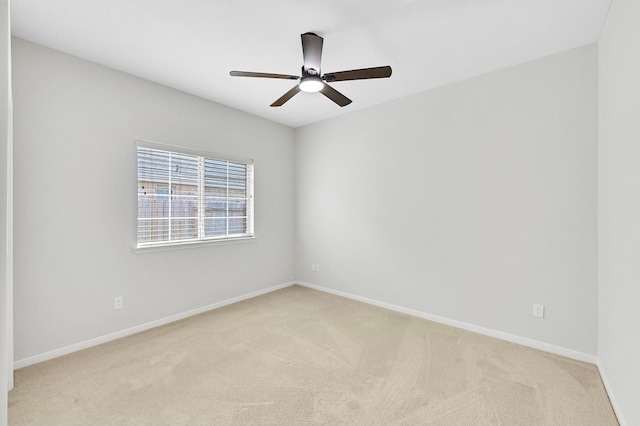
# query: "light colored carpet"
302, 357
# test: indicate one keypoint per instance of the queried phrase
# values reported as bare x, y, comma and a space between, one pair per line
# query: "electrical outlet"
538, 311
117, 303
317, 267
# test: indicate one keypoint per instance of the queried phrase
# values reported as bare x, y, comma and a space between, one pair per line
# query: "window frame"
201, 240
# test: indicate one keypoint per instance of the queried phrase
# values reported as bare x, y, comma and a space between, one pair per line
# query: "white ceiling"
191, 45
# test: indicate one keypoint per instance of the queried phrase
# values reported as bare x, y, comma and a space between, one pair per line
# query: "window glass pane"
146, 206
237, 225
215, 207
182, 207
146, 187
237, 207
153, 230
153, 166
184, 169
222, 178
185, 190
215, 177
153, 206
215, 227
184, 229
238, 178
177, 192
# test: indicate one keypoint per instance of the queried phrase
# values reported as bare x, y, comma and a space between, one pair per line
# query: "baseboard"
558, 350
139, 328
612, 397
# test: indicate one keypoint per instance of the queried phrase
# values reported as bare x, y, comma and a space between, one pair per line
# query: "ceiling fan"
312, 79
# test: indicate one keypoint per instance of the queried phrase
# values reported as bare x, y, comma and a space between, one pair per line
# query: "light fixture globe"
311, 83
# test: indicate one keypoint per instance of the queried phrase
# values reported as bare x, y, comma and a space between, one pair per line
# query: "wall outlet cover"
538, 311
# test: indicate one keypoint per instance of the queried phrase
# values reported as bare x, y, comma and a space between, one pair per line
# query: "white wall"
470, 202
619, 208
75, 194
6, 206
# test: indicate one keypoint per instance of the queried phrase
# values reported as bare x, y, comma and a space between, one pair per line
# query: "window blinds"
183, 197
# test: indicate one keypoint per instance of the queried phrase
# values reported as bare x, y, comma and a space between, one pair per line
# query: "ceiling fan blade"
284, 98
361, 74
312, 51
335, 96
262, 75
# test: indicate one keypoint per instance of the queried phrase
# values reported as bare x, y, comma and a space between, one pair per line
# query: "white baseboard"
558, 350
612, 397
137, 329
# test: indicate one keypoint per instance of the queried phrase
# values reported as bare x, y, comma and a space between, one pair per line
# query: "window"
186, 196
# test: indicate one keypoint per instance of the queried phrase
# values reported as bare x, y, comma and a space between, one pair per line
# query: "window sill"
193, 244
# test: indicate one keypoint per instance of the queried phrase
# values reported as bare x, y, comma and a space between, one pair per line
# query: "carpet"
303, 357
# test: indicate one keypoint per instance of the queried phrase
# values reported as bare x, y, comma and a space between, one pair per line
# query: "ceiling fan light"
311, 83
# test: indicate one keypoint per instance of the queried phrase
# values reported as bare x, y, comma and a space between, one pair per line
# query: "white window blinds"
185, 197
